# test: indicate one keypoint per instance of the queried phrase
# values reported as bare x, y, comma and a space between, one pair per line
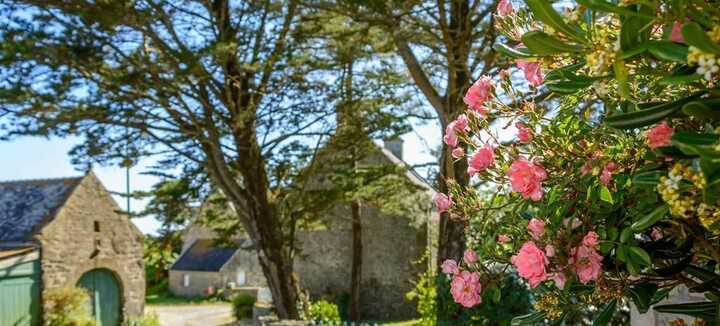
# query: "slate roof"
204, 256
25, 205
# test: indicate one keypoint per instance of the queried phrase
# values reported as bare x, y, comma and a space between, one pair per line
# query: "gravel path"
193, 315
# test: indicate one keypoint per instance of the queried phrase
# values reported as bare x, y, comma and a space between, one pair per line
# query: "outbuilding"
67, 232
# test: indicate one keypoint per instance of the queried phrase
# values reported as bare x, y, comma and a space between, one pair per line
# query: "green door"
104, 296
20, 294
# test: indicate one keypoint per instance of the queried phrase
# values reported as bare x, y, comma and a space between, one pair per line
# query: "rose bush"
609, 191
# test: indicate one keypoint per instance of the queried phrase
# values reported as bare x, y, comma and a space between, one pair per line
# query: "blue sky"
40, 158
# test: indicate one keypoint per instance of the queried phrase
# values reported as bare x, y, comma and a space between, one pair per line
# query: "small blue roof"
204, 256
25, 205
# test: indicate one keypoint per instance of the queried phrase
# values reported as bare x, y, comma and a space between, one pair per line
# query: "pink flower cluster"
465, 286
526, 178
532, 71
530, 262
504, 8
585, 260
524, 133
461, 124
479, 93
481, 160
443, 202
659, 136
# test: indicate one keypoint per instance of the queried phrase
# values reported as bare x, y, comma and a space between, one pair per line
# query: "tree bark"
357, 260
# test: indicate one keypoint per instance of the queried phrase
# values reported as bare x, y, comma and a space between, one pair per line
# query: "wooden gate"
104, 296
20, 294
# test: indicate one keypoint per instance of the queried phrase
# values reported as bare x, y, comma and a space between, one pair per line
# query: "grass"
404, 323
167, 299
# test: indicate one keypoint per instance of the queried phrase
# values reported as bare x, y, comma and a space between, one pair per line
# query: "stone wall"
199, 282
391, 247
71, 245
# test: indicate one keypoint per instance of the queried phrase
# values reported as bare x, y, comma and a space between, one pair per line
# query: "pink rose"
465, 289
458, 152
656, 234
526, 178
530, 262
586, 262
590, 239
532, 71
606, 177
470, 256
450, 267
550, 251
504, 8
659, 136
462, 123
478, 94
675, 34
524, 133
481, 160
585, 169
443, 202
503, 238
559, 279
504, 74
536, 227
450, 137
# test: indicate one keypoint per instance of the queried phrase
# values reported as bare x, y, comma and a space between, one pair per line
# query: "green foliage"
243, 306
324, 311
150, 319
67, 307
425, 293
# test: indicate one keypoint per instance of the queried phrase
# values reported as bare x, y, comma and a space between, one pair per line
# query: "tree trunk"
357, 250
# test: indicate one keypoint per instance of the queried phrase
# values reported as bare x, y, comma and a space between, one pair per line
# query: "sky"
42, 158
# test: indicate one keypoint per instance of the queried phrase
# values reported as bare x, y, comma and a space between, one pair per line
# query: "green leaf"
639, 256
626, 235
668, 51
543, 10
651, 218
534, 318
648, 116
542, 43
568, 87
606, 314
642, 295
695, 36
621, 75
706, 310
634, 30
703, 110
604, 6
650, 178
677, 80
695, 144
605, 195
621, 253
512, 52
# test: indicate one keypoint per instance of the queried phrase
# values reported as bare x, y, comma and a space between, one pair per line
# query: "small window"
186, 280
240, 278
97, 226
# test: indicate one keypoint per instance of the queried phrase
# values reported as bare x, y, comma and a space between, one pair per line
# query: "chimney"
395, 146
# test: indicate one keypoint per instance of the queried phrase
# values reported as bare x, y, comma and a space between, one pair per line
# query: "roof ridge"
39, 180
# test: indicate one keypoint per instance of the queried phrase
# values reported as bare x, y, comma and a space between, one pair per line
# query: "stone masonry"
87, 233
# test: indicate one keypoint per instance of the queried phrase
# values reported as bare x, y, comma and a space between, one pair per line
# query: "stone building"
392, 248
68, 232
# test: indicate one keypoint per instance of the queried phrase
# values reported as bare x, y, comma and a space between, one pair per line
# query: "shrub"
150, 319
243, 306
67, 307
324, 311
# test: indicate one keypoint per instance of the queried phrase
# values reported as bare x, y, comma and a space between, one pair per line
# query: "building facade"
79, 237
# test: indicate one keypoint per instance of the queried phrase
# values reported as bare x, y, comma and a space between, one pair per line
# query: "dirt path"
193, 315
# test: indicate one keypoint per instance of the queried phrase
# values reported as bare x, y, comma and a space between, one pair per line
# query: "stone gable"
87, 233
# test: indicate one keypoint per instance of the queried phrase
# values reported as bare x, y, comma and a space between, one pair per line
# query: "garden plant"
597, 178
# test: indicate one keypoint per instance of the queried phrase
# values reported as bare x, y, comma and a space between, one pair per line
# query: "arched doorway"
104, 291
